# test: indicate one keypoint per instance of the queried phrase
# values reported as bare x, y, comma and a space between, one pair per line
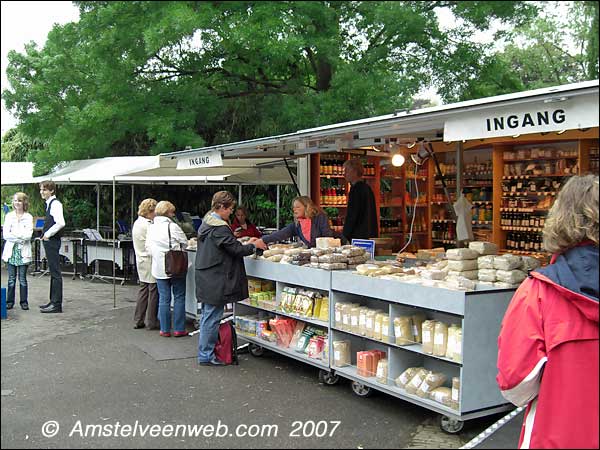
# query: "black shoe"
137, 326
46, 305
52, 309
25, 306
11, 306
212, 362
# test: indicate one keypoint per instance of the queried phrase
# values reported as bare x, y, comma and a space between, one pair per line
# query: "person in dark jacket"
361, 215
309, 224
220, 273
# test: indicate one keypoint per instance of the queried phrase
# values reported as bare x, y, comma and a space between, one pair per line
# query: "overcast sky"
28, 21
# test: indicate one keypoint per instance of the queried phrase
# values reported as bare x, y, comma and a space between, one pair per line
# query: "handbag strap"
169, 230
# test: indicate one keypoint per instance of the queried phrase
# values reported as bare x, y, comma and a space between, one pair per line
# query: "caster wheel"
450, 425
256, 350
328, 378
361, 390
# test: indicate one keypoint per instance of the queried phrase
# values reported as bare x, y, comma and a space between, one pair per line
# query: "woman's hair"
164, 208
147, 207
24, 198
245, 211
48, 184
355, 165
311, 210
222, 199
574, 216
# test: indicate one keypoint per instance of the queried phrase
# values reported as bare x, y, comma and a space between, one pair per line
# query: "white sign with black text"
200, 160
564, 113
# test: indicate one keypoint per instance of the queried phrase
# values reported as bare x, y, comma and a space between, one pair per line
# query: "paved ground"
81, 369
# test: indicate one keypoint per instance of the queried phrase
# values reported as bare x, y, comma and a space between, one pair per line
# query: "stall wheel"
256, 350
451, 425
328, 378
361, 390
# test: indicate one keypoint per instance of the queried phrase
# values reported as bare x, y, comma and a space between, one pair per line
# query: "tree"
151, 77
543, 53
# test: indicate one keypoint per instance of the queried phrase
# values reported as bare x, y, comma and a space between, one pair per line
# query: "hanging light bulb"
397, 160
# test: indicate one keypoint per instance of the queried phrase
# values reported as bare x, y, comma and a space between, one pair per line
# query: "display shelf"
352, 373
528, 177
332, 176
414, 348
335, 206
310, 320
284, 351
528, 229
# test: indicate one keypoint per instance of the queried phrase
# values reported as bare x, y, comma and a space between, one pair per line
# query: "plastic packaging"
417, 321
341, 353
377, 332
413, 385
427, 333
487, 275
510, 276
385, 328
440, 339
484, 248
470, 274
485, 262
406, 376
459, 254
457, 351
370, 325
382, 371
529, 263
354, 319
441, 395
403, 330
455, 400
432, 380
463, 265
507, 262
362, 320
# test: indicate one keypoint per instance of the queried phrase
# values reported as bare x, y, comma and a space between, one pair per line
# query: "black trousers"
52, 247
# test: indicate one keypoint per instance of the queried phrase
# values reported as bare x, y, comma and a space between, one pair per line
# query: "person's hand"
260, 244
252, 240
237, 233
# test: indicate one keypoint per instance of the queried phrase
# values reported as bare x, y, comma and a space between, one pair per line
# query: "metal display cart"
479, 313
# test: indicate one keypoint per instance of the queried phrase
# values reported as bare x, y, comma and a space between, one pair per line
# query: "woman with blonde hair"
146, 308
548, 343
164, 235
310, 222
17, 231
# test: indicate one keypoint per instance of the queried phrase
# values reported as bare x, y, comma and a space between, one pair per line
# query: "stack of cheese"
338, 258
506, 271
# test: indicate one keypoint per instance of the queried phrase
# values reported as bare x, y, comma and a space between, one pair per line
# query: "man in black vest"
361, 215
53, 230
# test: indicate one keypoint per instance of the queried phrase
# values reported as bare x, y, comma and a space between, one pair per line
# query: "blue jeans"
164, 304
12, 282
209, 331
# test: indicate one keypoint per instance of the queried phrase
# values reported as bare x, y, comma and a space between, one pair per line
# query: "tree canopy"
133, 78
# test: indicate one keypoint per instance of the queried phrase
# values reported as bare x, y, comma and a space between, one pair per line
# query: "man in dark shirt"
361, 216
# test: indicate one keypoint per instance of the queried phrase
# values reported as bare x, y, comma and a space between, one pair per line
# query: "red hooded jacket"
548, 352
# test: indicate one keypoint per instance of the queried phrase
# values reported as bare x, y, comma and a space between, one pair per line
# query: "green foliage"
145, 77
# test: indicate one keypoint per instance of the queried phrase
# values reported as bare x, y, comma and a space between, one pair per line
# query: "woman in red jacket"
241, 226
548, 343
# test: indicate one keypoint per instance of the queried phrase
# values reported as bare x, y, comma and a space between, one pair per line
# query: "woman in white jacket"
17, 231
146, 307
158, 244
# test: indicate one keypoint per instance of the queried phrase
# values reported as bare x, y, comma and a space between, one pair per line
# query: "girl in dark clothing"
242, 227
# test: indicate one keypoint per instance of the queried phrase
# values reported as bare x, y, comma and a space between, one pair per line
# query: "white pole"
277, 224
114, 224
239, 195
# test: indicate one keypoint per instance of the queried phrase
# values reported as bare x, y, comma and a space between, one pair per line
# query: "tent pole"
97, 226
132, 205
277, 224
239, 194
114, 236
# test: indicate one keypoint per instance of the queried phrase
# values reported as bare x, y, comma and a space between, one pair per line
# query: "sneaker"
180, 333
165, 334
137, 326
